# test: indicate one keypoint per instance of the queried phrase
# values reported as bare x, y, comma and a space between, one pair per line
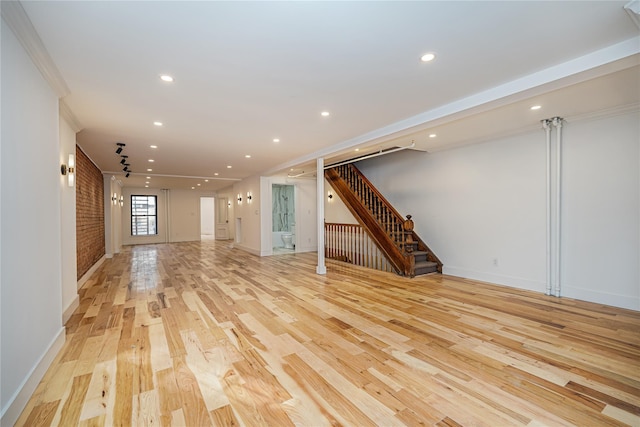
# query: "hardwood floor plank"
199, 333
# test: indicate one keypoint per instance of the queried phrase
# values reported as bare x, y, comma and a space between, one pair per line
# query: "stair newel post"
407, 227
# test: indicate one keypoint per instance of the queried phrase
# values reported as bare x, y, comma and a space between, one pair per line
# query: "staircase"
392, 234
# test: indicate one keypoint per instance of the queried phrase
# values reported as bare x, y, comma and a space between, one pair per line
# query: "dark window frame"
136, 215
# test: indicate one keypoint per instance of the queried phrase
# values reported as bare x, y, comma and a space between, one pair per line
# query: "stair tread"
422, 264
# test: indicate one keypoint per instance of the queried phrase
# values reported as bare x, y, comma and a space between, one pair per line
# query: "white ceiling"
248, 72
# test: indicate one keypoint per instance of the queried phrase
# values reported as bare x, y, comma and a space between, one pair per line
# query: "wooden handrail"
393, 234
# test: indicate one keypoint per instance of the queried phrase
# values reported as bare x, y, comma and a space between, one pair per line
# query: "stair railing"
394, 235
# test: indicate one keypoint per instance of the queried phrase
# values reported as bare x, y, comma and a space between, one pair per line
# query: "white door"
222, 219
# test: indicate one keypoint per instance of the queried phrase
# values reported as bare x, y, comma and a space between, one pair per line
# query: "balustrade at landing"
350, 243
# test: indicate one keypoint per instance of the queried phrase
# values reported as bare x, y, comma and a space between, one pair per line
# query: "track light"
120, 145
127, 175
124, 159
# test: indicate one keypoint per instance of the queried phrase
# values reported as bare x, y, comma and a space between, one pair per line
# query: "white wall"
112, 216
601, 211
248, 212
207, 217
486, 202
305, 212
31, 310
68, 224
335, 211
184, 215
180, 207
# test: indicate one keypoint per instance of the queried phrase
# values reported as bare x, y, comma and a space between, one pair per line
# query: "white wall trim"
66, 315
19, 400
601, 297
68, 115
15, 16
89, 272
248, 249
495, 278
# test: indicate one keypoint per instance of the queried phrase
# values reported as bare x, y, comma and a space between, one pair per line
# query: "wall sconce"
239, 199
70, 170
249, 197
114, 199
121, 201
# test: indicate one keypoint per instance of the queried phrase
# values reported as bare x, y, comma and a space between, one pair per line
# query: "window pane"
143, 215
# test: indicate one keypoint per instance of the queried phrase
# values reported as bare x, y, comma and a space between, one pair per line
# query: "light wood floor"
195, 334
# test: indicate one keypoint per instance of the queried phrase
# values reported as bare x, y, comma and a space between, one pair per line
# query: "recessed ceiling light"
216, 174
149, 170
148, 177
151, 160
153, 146
276, 140
248, 156
198, 184
146, 182
428, 57
157, 123
229, 166
166, 78
146, 186
325, 114
432, 135
193, 188
357, 149
536, 107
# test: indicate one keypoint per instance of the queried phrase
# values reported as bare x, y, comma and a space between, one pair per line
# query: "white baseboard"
19, 400
247, 249
600, 297
89, 272
496, 278
70, 309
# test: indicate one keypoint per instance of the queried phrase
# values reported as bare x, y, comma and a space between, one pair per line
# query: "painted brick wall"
89, 213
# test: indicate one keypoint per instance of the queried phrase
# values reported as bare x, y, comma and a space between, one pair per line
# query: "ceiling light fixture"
216, 174
206, 180
432, 135
153, 146
199, 184
157, 123
428, 57
229, 166
149, 170
325, 114
276, 140
148, 177
536, 107
248, 156
151, 160
166, 78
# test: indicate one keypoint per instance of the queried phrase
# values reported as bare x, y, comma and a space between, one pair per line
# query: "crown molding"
633, 9
68, 115
15, 16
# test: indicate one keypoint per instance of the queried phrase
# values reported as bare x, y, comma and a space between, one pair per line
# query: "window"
144, 216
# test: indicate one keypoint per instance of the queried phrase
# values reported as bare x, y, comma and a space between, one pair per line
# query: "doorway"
222, 218
207, 218
283, 231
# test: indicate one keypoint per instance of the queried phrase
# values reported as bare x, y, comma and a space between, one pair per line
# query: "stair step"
425, 267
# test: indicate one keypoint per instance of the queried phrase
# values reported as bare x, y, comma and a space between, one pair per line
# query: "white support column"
320, 268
